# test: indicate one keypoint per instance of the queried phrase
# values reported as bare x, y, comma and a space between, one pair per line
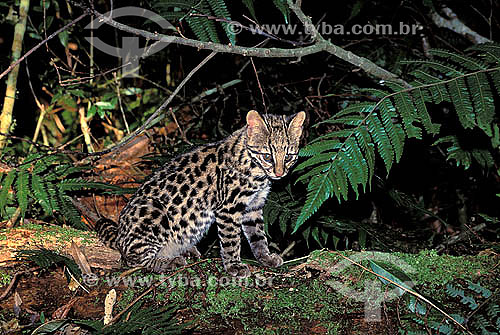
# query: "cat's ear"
255, 123
296, 125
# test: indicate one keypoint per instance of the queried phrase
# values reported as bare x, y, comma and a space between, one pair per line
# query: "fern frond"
441, 67
469, 63
387, 113
283, 8
316, 159
70, 212
313, 172
6, 185
22, 189
379, 135
495, 78
480, 289
484, 106
359, 165
43, 164
319, 147
423, 114
364, 140
251, 8
361, 108
340, 181
219, 8
319, 189
40, 193
462, 102
406, 109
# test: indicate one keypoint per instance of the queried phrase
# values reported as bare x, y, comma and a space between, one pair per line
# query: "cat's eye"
267, 158
288, 158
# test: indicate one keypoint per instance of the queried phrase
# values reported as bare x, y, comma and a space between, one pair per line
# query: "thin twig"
152, 287
14, 280
157, 112
183, 135
416, 294
258, 83
13, 65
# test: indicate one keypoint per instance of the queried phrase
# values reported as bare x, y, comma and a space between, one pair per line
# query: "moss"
5, 278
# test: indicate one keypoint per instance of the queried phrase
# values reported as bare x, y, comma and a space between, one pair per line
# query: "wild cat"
225, 183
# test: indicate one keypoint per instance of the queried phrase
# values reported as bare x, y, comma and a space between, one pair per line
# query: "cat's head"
273, 141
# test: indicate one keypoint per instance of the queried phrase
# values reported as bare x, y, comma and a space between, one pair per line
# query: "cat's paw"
162, 265
238, 270
271, 260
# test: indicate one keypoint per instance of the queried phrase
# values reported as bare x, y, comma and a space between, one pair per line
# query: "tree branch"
454, 24
320, 45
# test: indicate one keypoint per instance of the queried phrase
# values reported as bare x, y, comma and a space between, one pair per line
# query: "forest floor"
326, 292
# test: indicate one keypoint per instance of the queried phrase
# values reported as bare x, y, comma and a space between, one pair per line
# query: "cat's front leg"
253, 227
229, 231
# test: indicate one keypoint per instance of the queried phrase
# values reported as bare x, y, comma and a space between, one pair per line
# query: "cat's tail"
106, 229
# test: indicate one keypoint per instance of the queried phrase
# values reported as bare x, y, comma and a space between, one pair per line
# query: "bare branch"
454, 24
320, 45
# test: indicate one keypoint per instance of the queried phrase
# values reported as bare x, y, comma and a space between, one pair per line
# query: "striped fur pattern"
225, 183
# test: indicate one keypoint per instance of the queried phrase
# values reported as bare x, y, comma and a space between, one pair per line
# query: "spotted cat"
226, 183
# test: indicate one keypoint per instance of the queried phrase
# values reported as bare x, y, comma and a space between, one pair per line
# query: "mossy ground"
297, 299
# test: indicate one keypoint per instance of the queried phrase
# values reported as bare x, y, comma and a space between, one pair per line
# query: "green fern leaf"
43, 164
40, 193
484, 106
316, 159
337, 133
387, 113
319, 189
344, 162
360, 166
73, 184
360, 108
423, 114
319, 147
197, 25
251, 8
406, 109
441, 67
495, 78
70, 212
283, 8
364, 140
219, 8
462, 102
489, 51
484, 158
469, 63
6, 185
351, 120
22, 190
313, 172
377, 132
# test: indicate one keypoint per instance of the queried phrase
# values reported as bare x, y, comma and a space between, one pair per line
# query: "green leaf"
283, 8
63, 38
484, 106
384, 146
393, 275
319, 189
461, 100
22, 190
6, 185
40, 193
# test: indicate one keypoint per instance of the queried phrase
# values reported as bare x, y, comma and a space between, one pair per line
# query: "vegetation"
403, 132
